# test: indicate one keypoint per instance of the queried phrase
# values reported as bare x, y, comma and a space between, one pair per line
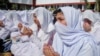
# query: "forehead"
59, 13
87, 20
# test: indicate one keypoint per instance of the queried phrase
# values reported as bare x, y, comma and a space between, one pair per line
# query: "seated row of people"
39, 32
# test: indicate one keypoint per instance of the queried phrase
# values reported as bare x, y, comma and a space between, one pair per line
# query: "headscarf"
89, 14
24, 17
1, 14
73, 28
11, 20
44, 16
70, 35
30, 16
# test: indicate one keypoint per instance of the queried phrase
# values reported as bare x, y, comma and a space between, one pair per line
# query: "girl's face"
87, 25
20, 26
37, 21
1, 23
60, 18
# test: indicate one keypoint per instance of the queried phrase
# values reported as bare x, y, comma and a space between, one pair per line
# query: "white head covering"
16, 18
68, 37
44, 16
32, 25
89, 14
24, 17
11, 20
73, 27
30, 17
97, 16
1, 14
7, 20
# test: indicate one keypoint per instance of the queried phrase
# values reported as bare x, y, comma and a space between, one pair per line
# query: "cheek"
87, 27
20, 26
64, 22
84, 26
36, 22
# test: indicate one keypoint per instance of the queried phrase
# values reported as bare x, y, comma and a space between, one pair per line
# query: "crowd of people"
65, 32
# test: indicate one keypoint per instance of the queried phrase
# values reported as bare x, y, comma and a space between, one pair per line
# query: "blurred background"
49, 4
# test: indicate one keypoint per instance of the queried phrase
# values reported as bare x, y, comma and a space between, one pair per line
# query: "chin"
87, 30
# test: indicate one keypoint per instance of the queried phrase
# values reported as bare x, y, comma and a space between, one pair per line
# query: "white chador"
3, 32
24, 16
45, 33
72, 40
23, 45
10, 19
95, 19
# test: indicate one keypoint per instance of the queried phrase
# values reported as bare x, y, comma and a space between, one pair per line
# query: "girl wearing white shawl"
94, 18
2, 30
71, 39
96, 30
43, 18
10, 19
89, 14
23, 44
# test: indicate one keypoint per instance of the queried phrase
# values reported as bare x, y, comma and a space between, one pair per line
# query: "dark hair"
54, 13
57, 11
88, 21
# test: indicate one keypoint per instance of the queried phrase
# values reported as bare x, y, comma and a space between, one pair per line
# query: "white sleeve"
15, 36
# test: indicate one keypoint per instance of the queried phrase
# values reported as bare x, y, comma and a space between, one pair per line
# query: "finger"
51, 48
